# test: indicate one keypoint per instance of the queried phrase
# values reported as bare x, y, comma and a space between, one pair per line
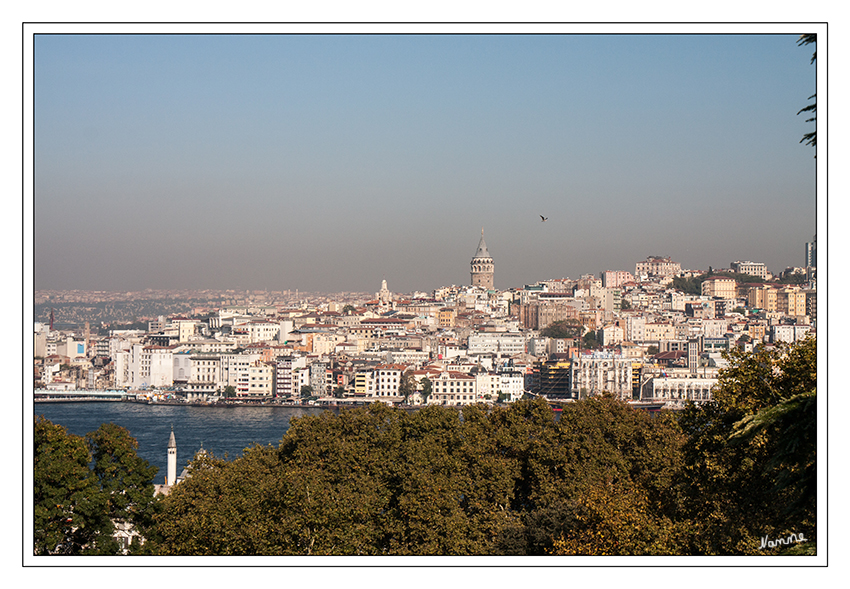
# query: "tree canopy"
562, 329
380, 480
811, 137
750, 458
82, 486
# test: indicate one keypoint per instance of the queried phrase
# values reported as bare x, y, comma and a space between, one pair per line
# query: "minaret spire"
171, 476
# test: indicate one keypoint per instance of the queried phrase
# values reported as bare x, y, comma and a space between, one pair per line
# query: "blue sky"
331, 162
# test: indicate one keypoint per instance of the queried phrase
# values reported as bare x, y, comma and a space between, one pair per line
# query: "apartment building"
614, 279
720, 287
205, 374
763, 297
286, 379
387, 378
789, 333
497, 343
260, 378
453, 388
600, 372
677, 389
791, 301
507, 382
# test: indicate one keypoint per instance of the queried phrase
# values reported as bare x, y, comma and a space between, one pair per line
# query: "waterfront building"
453, 388
387, 379
321, 379
551, 378
205, 373
600, 372
260, 375
677, 389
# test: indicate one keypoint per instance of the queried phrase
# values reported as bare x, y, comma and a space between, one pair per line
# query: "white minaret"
171, 477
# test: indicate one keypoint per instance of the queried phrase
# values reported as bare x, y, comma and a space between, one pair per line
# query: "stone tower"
171, 477
481, 267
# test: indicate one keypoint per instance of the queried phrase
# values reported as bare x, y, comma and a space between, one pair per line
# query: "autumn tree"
599, 445
750, 458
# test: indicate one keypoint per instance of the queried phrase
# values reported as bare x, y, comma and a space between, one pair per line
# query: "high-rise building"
812, 252
481, 267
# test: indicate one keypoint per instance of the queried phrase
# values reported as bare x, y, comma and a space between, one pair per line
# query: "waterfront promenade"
146, 398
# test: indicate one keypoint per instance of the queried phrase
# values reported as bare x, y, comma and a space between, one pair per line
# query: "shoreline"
225, 404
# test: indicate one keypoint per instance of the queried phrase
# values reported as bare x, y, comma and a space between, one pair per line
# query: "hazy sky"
325, 162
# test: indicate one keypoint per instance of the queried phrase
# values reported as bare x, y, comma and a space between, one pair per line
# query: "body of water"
219, 430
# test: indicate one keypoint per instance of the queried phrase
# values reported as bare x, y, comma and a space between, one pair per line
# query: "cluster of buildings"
635, 335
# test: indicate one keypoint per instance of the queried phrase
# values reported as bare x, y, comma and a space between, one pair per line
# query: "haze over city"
331, 162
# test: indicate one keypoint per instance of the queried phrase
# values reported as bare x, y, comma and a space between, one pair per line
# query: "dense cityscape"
655, 335
219, 394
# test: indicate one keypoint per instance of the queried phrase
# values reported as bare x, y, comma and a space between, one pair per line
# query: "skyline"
332, 162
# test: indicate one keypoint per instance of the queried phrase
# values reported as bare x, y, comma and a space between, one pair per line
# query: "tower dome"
482, 267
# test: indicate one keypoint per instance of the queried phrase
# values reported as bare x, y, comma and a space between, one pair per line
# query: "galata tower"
481, 267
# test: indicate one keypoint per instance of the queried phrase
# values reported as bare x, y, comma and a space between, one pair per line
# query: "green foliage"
562, 329
406, 385
426, 388
124, 477
810, 138
750, 457
380, 480
590, 341
601, 477
691, 285
70, 512
75, 504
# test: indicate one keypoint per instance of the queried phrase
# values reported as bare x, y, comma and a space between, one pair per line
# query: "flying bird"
542, 218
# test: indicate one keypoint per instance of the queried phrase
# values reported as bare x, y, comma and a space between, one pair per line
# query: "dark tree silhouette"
810, 138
